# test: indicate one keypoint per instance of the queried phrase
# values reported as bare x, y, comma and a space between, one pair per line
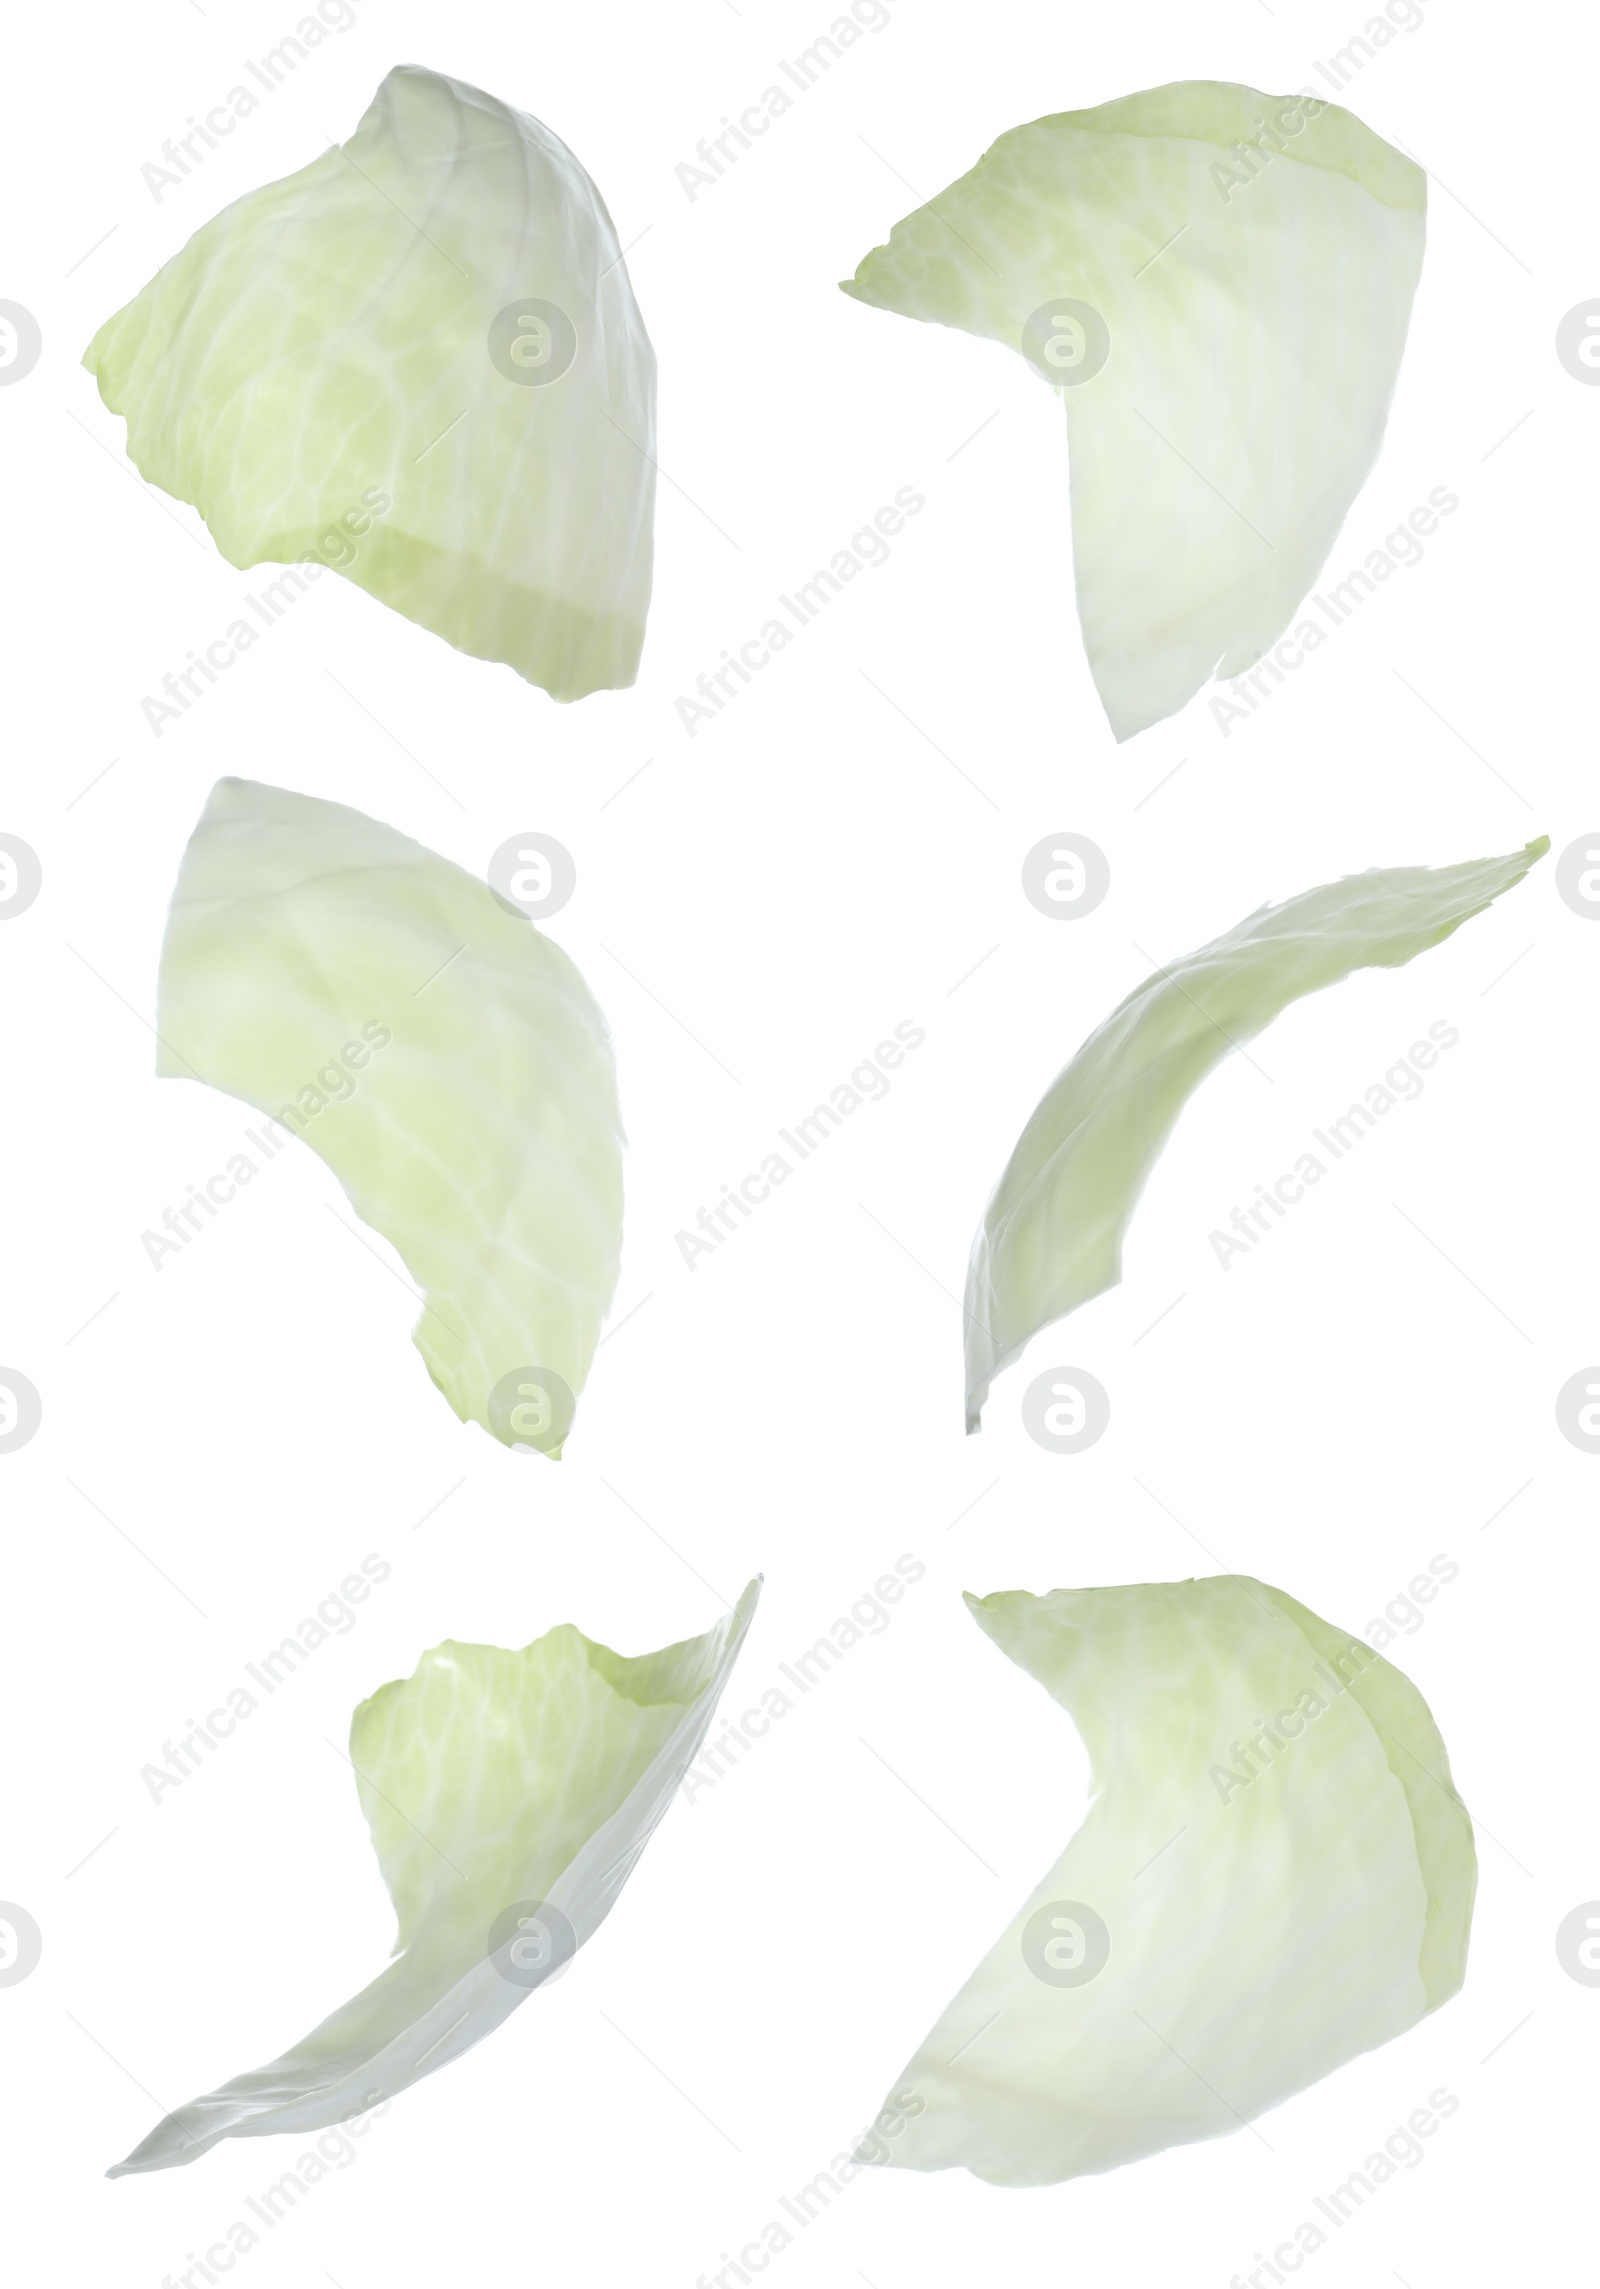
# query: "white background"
226, 1438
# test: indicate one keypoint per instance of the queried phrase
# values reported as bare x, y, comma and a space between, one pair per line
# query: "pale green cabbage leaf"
323, 346
1051, 1236
443, 1057
1275, 1874
1227, 331
494, 1783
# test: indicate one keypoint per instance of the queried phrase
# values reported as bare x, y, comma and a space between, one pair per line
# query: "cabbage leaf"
1220, 283
1051, 1236
443, 1057
509, 1796
418, 360
1275, 1874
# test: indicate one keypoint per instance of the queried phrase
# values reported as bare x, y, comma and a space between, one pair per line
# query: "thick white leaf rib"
313, 373
1254, 316
481, 1135
1274, 1849
1051, 1236
491, 1781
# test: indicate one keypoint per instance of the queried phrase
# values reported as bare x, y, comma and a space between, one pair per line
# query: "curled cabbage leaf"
445, 1059
1275, 1874
419, 361
1219, 282
1051, 1236
509, 1796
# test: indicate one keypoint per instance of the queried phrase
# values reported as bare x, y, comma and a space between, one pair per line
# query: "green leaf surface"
1247, 265
481, 1133
495, 1785
1051, 1236
325, 344
1275, 1856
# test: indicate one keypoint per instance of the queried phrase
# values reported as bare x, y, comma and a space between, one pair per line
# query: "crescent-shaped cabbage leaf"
1051, 1236
509, 1797
1275, 1874
444, 1058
